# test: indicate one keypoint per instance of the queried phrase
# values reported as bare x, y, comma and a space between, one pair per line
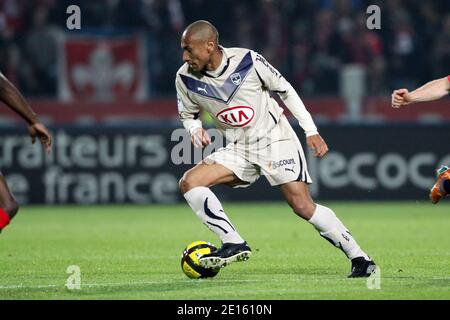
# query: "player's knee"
11, 207
186, 183
182, 185
302, 208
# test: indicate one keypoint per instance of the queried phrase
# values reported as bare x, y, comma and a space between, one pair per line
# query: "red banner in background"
165, 109
106, 69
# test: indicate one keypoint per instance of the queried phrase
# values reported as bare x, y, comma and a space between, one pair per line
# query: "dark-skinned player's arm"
14, 100
189, 114
273, 80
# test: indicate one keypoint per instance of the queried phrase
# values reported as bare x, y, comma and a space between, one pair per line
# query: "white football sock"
208, 208
332, 229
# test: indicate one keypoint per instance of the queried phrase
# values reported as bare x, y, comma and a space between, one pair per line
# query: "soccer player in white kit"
233, 85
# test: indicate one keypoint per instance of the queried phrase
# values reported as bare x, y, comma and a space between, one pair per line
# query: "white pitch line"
89, 285
21, 286
92, 285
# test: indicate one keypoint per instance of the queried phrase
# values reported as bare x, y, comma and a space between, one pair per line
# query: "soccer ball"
190, 263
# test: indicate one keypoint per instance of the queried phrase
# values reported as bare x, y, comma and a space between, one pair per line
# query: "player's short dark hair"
201, 26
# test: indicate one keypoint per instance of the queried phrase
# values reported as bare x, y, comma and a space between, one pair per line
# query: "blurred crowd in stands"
307, 40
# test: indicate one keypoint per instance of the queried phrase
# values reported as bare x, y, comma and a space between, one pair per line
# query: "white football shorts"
278, 156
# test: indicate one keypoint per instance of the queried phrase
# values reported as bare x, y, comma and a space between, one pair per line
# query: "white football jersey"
237, 96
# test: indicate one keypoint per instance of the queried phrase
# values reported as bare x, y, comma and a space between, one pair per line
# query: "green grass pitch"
133, 252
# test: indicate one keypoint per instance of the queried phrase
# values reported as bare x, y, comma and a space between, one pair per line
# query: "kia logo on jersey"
238, 116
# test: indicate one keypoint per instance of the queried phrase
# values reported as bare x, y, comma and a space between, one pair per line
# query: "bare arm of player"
432, 90
14, 99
